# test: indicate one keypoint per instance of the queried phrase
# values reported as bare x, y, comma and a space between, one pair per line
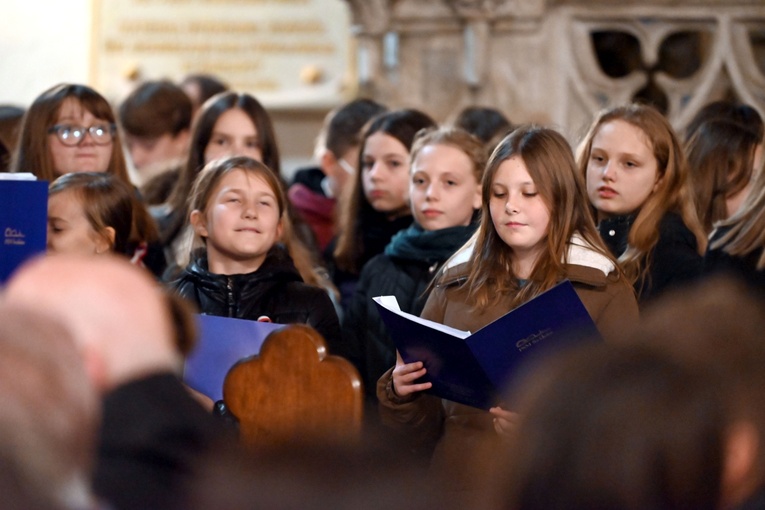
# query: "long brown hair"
550, 163
106, 202
201, 132
355, 211
721, 160
746, 232
33, 152
673, 193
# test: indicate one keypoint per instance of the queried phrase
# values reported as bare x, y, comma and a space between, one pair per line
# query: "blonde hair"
455, 137
672, 194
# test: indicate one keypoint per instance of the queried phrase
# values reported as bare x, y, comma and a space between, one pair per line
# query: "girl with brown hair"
536, 230
637, 183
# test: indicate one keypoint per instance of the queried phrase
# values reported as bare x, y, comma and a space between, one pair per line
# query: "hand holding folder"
475, 368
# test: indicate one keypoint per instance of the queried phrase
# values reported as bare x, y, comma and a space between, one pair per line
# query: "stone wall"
559, 61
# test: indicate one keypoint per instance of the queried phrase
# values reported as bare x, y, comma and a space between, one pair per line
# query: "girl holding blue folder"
536, 230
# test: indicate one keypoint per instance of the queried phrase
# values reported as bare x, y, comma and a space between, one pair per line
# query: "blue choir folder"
23, 222
221, 342
474, 369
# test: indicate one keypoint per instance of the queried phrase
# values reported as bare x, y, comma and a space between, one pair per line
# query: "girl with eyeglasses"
71, 128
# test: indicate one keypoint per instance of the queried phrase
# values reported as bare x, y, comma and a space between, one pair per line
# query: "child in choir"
536, 230
445, 193
377, 203
637, 183
237, 214
737, 245
72, 128
315, 191
231, 124
90, 213
722, 156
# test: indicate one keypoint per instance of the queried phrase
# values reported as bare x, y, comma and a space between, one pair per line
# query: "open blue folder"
222, 341
23, 222
474, 369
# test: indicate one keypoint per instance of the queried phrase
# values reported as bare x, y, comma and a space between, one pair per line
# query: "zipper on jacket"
230, 297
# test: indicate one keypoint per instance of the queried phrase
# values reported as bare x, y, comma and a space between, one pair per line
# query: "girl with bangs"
536, 230
445, 194
638, 185
71, 128
242, 270
233, 124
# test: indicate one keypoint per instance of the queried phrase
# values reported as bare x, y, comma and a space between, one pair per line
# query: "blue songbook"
474, 369
23, 222
222, 341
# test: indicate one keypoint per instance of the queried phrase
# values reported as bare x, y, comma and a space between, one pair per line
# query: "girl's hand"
504, 421
404, 375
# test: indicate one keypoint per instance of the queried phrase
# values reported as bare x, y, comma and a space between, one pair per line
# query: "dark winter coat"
674, 261
275, 291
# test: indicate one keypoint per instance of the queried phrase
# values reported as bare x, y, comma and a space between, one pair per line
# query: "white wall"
42, 42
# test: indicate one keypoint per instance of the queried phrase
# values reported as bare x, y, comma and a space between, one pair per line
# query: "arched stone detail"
535, 59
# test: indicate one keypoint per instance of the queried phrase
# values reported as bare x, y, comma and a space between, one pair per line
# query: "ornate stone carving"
538, 60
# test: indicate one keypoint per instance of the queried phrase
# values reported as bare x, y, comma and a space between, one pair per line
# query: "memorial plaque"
289, 53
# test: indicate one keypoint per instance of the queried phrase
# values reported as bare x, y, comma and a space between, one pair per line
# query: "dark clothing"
275, 290
754, 502
742, 267
313, 206
374, 236
404, 270
674, 261
153, 434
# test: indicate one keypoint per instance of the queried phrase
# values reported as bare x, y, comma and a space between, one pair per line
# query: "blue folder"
475, 369
23, 222
221, 342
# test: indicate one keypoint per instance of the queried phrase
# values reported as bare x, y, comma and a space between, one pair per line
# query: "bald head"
114, 310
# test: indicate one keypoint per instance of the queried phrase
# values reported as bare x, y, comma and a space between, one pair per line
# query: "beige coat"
460, 431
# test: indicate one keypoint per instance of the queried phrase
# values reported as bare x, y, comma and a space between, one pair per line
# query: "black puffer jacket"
405, 270
275, 291
366, 340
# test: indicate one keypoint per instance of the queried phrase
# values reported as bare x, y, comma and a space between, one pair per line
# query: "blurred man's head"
115, 311
50, 413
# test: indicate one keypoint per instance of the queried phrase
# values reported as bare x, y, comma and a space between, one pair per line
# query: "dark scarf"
416, 243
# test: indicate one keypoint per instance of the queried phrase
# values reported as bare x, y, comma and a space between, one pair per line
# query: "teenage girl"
376, 204
536, 230
237, 215
637, 183
231, 124
722, 156
445, 193
72, 128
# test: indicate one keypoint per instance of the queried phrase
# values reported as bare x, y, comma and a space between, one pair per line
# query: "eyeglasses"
71, 136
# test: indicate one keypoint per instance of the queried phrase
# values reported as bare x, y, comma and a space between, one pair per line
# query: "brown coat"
462, 431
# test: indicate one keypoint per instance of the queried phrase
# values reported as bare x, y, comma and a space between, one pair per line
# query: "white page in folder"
391, 303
